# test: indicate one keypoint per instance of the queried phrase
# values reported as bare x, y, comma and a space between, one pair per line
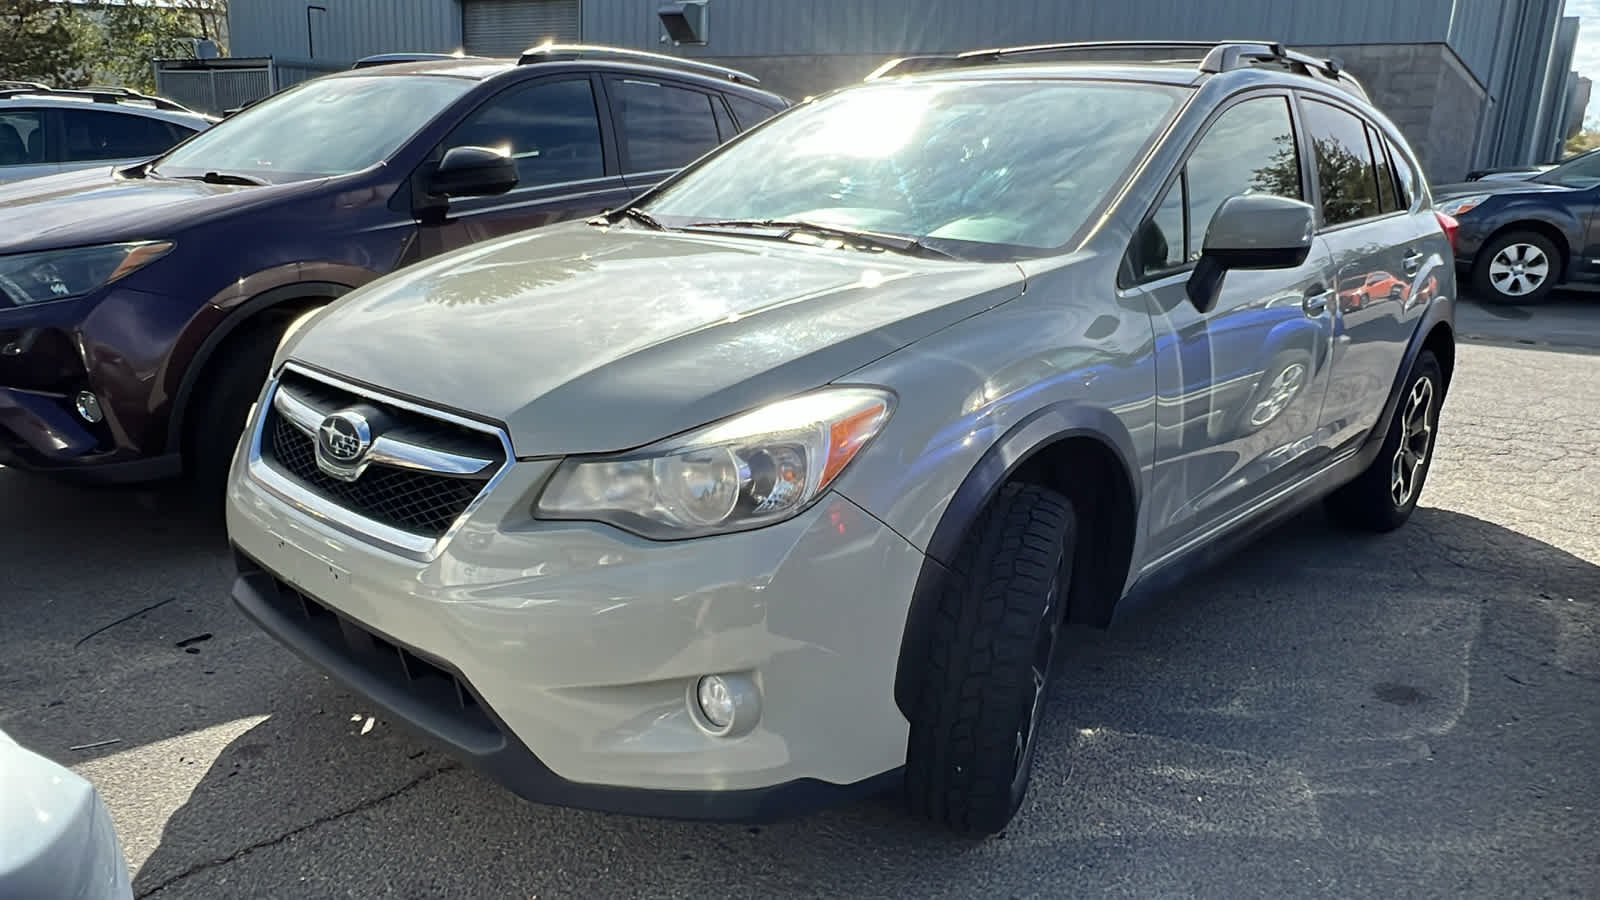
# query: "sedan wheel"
1519, 270
1518, 267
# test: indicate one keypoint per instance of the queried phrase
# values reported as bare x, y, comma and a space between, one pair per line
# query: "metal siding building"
1472, 82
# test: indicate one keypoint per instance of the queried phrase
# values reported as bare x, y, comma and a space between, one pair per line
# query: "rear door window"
21, 137
1385, 172
91, 134
749, 113
1346, 172
663, 126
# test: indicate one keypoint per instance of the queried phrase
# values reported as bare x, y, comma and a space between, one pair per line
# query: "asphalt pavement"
1325, 714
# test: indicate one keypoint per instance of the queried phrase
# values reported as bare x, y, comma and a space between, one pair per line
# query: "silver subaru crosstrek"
778, 485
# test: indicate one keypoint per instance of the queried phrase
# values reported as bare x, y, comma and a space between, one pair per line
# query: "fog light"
89, 407
716, 702
725, 705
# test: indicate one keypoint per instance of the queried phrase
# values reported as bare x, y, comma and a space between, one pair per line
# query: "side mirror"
473, 172
1251, 231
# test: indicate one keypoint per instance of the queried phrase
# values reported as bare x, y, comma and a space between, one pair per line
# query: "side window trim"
1308, 150
1180, 175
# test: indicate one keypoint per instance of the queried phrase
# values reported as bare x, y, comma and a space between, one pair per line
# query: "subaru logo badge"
343, 440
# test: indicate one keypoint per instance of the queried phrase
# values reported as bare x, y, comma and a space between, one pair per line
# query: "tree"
1582, 142
45, 41
135, 33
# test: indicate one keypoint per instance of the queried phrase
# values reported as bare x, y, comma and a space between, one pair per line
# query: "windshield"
1578, 172
328, 126
986, 169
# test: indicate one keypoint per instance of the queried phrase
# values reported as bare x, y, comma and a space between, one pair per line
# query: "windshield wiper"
224, 178
630, 212
894, 242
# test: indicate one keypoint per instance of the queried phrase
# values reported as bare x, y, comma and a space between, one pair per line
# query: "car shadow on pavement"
1394, 715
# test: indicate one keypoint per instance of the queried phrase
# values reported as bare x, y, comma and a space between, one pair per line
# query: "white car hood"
56, 836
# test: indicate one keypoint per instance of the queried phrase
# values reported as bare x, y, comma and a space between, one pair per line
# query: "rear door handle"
1413, 262
1316, 301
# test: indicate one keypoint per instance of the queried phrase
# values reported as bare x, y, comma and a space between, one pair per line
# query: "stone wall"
1424, 87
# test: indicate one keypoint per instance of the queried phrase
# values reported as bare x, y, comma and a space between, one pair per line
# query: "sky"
1586, 60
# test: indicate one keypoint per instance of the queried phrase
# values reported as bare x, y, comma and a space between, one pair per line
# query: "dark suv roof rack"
97, 94
555, 52
383, 59
1212, 56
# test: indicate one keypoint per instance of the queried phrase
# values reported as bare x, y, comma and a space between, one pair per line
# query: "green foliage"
110, 42
1582, 142
44, 41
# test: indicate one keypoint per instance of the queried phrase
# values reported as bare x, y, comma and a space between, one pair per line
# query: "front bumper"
560, 657
112, 344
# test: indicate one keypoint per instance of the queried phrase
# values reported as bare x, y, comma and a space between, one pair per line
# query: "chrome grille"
422, 472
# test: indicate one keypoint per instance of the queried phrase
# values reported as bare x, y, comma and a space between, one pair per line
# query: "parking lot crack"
241, 853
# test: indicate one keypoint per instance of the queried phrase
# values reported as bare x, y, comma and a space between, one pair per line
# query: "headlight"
1455, 206
28, 279
752, 470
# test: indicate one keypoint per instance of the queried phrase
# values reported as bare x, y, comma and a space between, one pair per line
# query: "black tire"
217, 416
1487, 288
997, 628
1370, 502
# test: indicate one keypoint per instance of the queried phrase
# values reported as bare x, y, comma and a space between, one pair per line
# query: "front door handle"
1413, 262
1316, 301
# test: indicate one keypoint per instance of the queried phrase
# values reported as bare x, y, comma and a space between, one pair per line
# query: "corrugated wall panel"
768, 27
348, 30
508, 27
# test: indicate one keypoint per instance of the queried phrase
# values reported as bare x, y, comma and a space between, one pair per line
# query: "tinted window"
662, 127
1160, 245
749, 113
725, 127
21, 138
550, 128
964, 165
1344, 163
1579, 172
1249, 149
92, 134
1385, 175
1406, 176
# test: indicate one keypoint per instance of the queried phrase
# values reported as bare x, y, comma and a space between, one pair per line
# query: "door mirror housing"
1251, 231
473, 172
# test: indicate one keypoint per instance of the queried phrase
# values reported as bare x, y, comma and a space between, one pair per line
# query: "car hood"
98, 205
56, 835
584, 339
1464, 188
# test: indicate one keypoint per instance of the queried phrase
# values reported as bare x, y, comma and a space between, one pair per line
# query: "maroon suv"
140, 306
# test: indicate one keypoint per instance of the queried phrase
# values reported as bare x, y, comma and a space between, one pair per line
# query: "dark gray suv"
779, 483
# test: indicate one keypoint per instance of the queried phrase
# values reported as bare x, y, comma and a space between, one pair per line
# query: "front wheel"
1383, 497
1517, 267
988, 663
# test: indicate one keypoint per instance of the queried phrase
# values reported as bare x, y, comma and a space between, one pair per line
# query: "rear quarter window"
748, 112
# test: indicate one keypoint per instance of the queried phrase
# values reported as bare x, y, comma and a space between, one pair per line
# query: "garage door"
508, 27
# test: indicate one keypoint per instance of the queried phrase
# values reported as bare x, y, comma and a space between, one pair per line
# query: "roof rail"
23, 86
98, 95
381, 59
551, 52
1213, 57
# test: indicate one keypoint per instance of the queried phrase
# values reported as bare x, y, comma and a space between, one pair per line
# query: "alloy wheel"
1519, 269
1416, 441
1279, 393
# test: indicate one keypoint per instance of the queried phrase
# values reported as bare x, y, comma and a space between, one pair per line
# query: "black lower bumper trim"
433, 698
133, 471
